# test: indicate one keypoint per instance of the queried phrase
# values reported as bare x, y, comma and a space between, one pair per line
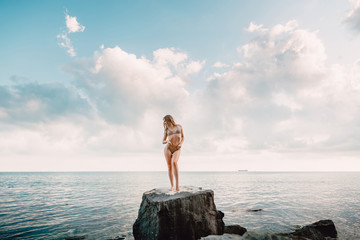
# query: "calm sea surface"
105, 205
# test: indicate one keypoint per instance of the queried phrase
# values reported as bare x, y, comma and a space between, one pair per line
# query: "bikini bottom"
173, 148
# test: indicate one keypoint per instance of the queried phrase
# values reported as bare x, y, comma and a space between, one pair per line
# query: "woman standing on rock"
173, 138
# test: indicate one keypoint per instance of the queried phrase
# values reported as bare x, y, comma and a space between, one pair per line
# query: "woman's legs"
168, 154
175, 158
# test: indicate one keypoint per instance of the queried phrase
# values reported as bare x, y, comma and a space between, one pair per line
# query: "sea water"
104, 205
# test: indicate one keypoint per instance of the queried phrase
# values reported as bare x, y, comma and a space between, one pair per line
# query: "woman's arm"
165, 136
182, 135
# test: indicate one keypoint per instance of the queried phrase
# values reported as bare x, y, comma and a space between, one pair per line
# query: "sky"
256, 85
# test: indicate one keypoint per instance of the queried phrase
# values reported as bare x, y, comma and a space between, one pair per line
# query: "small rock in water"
255, 210
249, 236
75, 238
235, 229
326, 228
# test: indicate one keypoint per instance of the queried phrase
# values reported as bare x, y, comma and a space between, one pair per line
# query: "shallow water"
104, 205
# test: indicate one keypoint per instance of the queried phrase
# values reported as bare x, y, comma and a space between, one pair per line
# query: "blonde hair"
169, 118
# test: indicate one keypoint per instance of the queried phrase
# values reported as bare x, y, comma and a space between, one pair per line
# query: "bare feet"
171, 189
177, 189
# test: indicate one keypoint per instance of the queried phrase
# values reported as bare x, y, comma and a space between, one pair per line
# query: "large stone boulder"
321, 230
235, 229
188, 214
249, 236
318, 230
308, 233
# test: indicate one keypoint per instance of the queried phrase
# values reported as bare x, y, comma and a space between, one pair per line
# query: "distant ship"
242, 170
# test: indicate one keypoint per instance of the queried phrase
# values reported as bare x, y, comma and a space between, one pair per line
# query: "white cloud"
73, 26
65, 42
193, 67
353, 16
280, 97
123, 87
164, 56
219, 64
115, 105
254, 27
34, 102
285, 95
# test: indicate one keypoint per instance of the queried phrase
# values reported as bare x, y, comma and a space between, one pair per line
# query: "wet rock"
248, 236
75, 238
255, 210
235, 229
308, 233
189, 214
262, 236
318, 230
321, 230
225, 236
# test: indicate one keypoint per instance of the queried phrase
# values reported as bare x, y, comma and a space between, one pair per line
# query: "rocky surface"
255, 210
191, 214
318, 230
225, 236
248, 236
188, 214
235, 229
321, 230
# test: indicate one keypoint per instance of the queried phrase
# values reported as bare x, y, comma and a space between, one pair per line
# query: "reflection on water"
105, 205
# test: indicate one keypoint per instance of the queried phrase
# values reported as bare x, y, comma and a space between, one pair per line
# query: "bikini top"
177, 130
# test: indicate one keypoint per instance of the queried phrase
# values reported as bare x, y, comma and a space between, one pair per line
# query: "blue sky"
248, 81
205, 29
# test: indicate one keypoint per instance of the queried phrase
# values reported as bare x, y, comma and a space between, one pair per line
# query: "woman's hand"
165, 142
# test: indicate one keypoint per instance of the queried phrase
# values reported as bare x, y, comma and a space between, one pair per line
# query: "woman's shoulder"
179, 126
